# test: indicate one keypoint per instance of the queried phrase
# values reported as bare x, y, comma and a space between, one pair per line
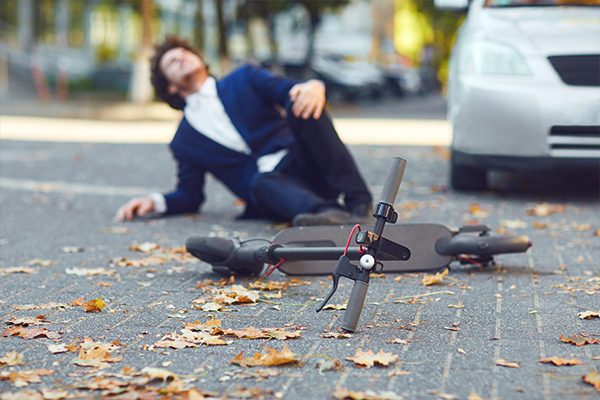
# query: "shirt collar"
208, 89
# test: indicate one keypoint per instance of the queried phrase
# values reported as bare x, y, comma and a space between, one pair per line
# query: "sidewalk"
478, 333
370, 131
390, 122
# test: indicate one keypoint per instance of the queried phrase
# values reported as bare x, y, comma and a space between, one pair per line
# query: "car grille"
575, 141
578, 70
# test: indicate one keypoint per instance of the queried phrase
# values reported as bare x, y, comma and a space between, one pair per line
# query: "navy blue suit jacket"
249, 95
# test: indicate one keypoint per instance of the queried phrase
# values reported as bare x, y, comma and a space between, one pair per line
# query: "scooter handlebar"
390, 189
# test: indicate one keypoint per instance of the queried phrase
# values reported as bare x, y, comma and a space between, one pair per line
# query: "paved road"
447, 337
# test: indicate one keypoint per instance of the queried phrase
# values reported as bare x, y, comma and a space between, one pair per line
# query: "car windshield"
541, 3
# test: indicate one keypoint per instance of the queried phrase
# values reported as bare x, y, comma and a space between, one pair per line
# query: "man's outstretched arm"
186, 198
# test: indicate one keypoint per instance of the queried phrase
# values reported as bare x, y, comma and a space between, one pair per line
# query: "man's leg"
279, 197
322, 158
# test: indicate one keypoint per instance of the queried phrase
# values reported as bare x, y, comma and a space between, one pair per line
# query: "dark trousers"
317, 169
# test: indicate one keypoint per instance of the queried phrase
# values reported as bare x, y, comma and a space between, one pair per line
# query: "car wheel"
467, 178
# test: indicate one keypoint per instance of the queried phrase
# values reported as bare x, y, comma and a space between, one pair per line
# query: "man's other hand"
139, 206
308, 99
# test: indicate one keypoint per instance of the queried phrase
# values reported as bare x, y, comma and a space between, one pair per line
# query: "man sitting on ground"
265, 137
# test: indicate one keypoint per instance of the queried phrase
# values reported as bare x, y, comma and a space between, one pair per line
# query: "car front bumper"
531, 121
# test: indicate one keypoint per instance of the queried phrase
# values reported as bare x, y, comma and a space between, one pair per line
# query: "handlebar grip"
390, 189
355, 305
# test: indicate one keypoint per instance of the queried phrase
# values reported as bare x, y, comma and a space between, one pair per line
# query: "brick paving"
64, 194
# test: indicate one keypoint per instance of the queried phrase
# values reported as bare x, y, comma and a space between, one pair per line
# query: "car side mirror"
452, 5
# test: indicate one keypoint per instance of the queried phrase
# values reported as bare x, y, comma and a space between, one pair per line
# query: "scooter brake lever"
346, 269
335, 278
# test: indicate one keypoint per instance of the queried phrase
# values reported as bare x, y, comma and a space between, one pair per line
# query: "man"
264, 137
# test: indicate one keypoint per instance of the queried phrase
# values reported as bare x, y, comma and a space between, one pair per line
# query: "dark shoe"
330, 216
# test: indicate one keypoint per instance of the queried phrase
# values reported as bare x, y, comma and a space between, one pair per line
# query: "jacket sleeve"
270, 87
189, 194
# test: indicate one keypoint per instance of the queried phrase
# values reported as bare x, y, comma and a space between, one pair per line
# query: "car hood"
544, 31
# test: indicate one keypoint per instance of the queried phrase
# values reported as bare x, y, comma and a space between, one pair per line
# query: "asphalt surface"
448, 337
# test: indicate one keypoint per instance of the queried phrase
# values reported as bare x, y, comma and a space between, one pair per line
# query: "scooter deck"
419, 238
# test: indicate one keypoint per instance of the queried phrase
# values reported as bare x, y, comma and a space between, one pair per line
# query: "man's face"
180, 66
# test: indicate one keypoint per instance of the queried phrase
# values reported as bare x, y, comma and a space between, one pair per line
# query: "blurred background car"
524, 88
350, 80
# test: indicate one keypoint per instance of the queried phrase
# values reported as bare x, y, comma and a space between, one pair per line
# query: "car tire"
467, 178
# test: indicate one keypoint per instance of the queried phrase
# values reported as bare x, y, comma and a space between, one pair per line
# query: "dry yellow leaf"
502, 362
429, 280
92, 305
270, 358
561, 361
593, 378
588, 314
12, 358
367, 359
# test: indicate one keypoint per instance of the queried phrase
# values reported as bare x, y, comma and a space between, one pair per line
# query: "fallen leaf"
579, 340
588, 314
158, 373
270, 358
72, 249
582, 227
474, 396
545, 209
539, 225
477, 212
115, 229
513, 224
48, 306
145, 247
29, 333
337, 335
367, 359
451, 328
345, 394
593, 378
16, 270
88, 271
23, 378
12, 358
505, 363
272, 285
329, 364
208, 307
250, 393
207, 326
461, 351
92, 305
335, 307
443, 152
561, 361
43, 263
429, 280
28, 321
400, 341
57, 348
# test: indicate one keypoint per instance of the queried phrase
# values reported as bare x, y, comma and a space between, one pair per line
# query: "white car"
524, 87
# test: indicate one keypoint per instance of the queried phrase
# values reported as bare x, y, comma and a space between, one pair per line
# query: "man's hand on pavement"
308, 99
139, 206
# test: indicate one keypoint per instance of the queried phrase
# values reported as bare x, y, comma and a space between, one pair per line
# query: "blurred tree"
267, 9
445, 25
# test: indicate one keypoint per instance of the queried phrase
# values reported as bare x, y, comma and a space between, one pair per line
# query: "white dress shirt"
205, 113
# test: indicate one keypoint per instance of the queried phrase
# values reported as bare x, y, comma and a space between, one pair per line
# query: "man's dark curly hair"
158, 78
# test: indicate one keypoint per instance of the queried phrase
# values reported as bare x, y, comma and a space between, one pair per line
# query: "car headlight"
492, 58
